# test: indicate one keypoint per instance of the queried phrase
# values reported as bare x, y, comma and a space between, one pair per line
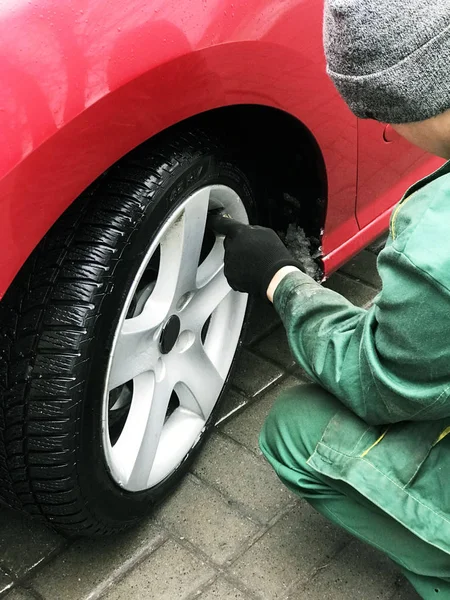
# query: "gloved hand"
252, 255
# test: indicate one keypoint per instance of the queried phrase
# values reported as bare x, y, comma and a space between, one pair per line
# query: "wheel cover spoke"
139, 439
201, 383
181, 247
206, 301
212, 289
136, 351
142, 467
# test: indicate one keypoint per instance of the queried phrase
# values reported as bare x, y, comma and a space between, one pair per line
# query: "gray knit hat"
390, 59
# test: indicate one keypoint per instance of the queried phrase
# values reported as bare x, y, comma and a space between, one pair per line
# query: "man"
367, 444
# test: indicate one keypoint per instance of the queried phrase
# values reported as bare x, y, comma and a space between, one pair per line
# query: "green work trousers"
289, 436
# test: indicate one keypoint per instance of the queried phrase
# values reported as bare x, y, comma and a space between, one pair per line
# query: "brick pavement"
230, 531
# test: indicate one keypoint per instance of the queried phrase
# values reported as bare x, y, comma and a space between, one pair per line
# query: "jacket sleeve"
388, 363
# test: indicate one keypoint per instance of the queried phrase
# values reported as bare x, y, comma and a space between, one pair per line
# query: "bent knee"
297, 421
306, 406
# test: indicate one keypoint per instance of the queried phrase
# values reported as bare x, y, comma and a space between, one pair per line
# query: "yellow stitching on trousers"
374, 444
397, 210
442, 436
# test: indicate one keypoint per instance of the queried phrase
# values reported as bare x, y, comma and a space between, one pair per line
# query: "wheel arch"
285, 160
213, 89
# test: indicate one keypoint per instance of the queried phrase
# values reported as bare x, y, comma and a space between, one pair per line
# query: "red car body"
85, 81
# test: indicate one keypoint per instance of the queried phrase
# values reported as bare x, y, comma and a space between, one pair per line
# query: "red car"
123, 124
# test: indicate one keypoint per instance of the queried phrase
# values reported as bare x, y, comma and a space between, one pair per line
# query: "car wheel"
119, 337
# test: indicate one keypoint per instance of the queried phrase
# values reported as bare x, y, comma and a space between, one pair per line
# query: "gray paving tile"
254, 374
5, 581
89, 566
364, 267
200, 515
24, 543
357, 292
298, 372
170, 573
246, 426
262, 319
232, 402
358, 567
19, 594
246, 480
378, 245
290, 551
405, 591
222, 590
275, 346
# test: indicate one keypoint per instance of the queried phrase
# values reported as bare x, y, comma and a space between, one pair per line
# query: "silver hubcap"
173, 347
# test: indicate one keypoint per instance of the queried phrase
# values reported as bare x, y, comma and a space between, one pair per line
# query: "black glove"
252, 255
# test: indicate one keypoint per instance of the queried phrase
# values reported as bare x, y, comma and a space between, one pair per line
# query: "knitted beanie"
390, 59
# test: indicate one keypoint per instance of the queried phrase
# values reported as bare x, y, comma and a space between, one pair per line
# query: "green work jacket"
389, 366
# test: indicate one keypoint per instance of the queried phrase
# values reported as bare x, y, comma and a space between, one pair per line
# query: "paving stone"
170, 573
245, 427
200, 515
364, 267
378, 245
243, 478
275, 346
358, 567
24, 543
222, 590
298, 372
357, 292
232, 402
89, 566
5, 581
254, 374
290, 551
18, 594
405, 591
263, 318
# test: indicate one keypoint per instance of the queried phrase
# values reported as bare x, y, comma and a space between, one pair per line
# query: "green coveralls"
368, 448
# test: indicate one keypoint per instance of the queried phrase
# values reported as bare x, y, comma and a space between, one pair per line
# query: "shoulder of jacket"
420, 229
416, 208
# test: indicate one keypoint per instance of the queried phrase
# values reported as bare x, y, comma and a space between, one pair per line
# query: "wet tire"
58, 322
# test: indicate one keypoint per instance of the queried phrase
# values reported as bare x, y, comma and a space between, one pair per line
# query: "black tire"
58, 321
